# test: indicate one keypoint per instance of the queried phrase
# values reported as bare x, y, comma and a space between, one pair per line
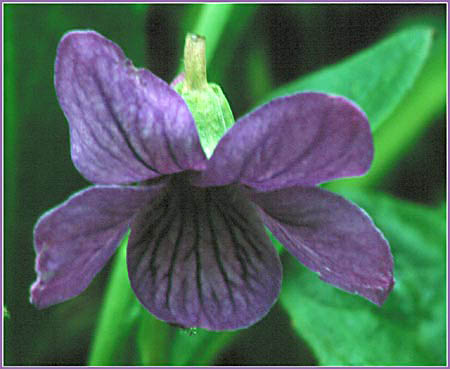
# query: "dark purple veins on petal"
201, 258
75, 240
119, 125
331, 236
126, 124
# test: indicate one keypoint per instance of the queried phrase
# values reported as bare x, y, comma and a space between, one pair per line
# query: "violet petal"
331, 236
201, 258
74, 240
303, 139
126, 124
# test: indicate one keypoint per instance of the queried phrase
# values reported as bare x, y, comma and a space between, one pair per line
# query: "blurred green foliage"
373, 81
253, 50
409, 329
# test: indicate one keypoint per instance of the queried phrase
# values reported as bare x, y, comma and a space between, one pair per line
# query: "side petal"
331, 236
303, 139
75, 240
126, 124
201, 258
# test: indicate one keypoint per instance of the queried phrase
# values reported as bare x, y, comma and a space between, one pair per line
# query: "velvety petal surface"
303, 139
75, 240
126, 124
331, 236
201, 258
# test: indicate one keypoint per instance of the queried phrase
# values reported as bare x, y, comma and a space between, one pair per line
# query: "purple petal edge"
303, 139
332, 237
76, 239
126, 124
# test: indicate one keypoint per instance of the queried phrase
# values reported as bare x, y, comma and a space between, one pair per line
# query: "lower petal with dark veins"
201, 258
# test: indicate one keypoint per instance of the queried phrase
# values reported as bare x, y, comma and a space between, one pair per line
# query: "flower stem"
195, 62
120, 312
153, 340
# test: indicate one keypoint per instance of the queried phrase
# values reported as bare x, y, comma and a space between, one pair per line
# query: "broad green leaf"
420, 107
376, 79
409, 329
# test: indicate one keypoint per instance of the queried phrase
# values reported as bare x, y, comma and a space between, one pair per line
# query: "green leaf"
199, 348
376, 79
229, 53
211, 22
409, 329
223, 26
420, 107
159, 343
120, 312
259, 79
152, 340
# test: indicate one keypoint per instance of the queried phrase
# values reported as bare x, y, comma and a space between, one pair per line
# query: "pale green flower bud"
206, 101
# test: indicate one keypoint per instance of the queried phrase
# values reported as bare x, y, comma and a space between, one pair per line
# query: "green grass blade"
119, 313
198, 349
152, 340
211, 24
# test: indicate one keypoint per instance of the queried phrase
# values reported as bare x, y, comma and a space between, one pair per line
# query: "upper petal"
303, 139
201, 258
126, 124
331, 236
75, 240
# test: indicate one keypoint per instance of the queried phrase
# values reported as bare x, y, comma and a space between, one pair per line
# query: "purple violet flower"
198, 254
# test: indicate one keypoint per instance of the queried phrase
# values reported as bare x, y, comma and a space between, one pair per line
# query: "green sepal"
211, 111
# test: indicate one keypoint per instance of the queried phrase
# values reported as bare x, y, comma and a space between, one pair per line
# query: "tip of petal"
376, 293
380, 294
73, 37
79, 33
36, 295
87, 43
